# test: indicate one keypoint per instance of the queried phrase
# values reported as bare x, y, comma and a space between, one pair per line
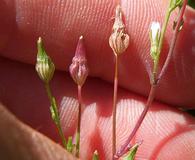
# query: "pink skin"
166, 131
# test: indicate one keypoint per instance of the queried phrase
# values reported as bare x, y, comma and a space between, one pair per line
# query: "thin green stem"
114, 106
79, 120
55, 113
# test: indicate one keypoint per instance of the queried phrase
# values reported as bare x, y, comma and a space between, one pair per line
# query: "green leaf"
41, 51
70, 145
131, 154
95, 155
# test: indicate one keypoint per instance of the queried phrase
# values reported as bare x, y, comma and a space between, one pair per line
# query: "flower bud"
119, 39
95, 155
44, 66
79, 69
154, 38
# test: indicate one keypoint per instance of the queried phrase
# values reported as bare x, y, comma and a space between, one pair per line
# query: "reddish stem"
151, 96
125, 148
80, 105
79, 120
114, 107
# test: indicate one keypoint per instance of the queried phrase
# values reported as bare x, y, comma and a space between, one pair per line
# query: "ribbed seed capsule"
119, 39
79, 69
44, 66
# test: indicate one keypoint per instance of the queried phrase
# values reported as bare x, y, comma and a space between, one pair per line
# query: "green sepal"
42, 55
131, 153
95, 155
70, 145
41, 51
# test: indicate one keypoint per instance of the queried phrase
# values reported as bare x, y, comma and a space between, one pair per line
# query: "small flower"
44, 66
79, 69
119, 39
154, 38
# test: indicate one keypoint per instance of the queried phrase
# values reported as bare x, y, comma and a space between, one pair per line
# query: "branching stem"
155, 78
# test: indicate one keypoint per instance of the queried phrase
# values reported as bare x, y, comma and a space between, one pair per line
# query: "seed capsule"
119, 39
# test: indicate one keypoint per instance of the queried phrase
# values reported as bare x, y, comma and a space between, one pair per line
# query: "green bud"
44, 66
95, 155
131, 153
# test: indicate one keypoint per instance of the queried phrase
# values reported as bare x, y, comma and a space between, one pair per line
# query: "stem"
114, 107
125, 148
173, 41
79, 120
164, 28
155, 81
56, 117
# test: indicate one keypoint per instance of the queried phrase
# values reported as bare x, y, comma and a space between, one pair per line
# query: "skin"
168, 133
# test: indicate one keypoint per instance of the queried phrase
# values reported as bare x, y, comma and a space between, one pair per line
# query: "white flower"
155, 31
154, 38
